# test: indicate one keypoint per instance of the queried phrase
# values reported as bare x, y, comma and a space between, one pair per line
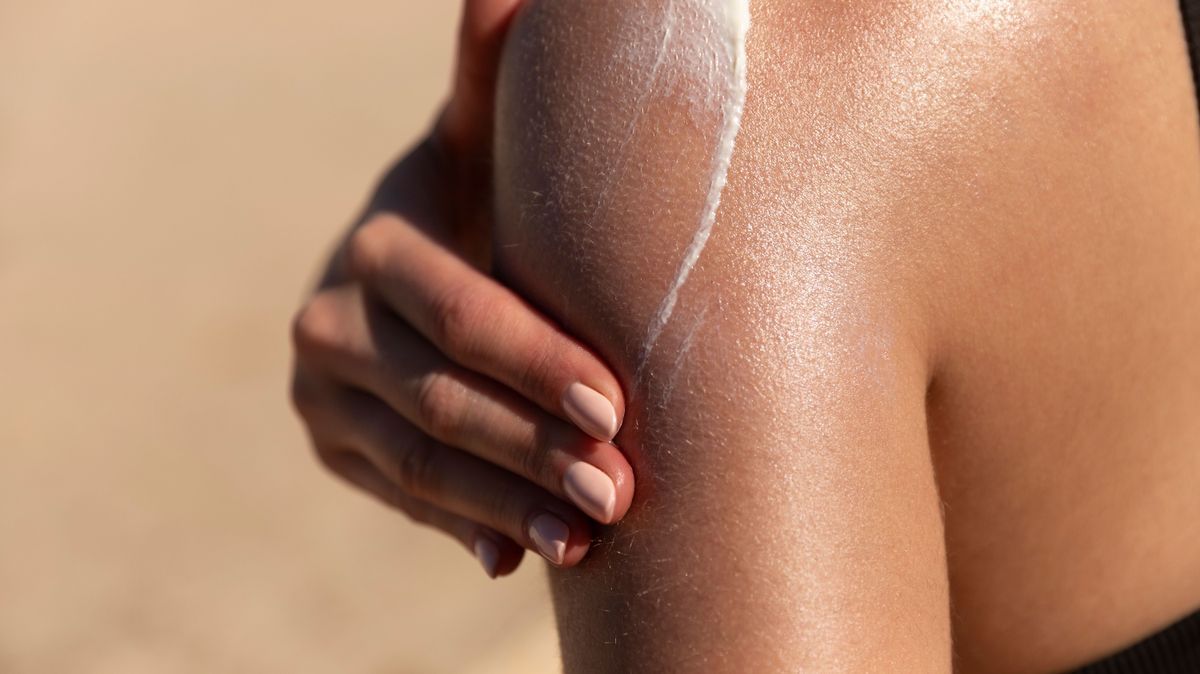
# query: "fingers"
446, 488
324, 406
328, 412
496, 553
467, 121
472, 488
483, 326
373, 351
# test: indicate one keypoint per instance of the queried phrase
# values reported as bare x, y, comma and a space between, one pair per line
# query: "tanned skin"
929, 400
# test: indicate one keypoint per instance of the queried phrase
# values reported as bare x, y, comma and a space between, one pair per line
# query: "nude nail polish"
550, 536
592, 490
591, 411
488, 555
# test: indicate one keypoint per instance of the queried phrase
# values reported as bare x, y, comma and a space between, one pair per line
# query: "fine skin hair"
927, 399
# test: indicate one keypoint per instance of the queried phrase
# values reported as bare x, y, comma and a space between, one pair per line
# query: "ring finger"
448, 479
373, 350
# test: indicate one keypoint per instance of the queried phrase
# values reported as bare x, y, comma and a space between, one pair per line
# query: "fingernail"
590, 411
550, 535
592, 490
488, 555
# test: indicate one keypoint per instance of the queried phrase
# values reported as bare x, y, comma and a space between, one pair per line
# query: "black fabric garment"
1174, 650
1191, 27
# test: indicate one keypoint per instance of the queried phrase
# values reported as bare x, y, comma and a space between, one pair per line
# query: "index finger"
483, 326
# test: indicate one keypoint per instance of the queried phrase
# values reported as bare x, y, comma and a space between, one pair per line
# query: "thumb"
466, 125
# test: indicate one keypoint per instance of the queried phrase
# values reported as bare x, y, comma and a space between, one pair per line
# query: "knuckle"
317, 326
366, 249
509, 509
541, 367
328, 458
456, 315
414, 469
535, 462
303, 397
439, 405
413, 509
416, 511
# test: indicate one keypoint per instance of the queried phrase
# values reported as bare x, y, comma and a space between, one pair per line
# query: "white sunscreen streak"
734, 18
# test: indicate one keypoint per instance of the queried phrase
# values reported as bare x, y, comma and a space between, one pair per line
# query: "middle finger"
469, 411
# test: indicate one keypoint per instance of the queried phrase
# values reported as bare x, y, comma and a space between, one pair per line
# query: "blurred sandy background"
170, 174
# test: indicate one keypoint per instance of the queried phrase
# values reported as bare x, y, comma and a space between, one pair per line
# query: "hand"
428, 384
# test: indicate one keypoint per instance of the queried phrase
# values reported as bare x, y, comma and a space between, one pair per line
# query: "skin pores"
626, 184
657, 125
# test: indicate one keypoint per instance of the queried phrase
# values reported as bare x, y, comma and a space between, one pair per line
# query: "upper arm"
786, 515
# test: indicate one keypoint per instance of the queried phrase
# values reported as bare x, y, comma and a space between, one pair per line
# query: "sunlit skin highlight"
939, 349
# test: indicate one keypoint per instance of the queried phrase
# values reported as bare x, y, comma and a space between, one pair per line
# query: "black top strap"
1174, 650
1191, 26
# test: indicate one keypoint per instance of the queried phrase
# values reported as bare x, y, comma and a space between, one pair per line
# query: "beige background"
170, 173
